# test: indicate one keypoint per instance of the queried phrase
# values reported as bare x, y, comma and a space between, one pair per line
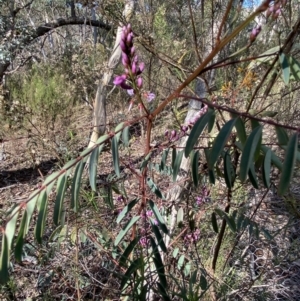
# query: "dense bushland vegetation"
174, 172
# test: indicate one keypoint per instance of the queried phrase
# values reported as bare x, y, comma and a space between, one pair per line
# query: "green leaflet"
220, 142
118, 131
155, 189
180, 217
128, 250
252, 176
241, 131
248, 152
282, 136
60, 194
255, 124
41, 220
177, 164
159, 237
93, 166
196, 132
160, 269
195, 167
295, 68
228, 171
266, 169
115, 155
229, 219
214, 222
4, 261
126, 136
164, 159
126, 229
133, 267
126, 210
20, 238
158, 217
274, 158
75, 189
288, 164
285, 68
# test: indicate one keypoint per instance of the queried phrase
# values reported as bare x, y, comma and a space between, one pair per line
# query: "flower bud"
142, 66
125, 59
133, 68
129, 27
129, 39
255, 32
132, 51
123, 46
173, 135
119, 79
139, 82
277, 13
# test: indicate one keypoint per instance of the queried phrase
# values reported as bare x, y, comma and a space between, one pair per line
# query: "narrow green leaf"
285, 68
51, 178
76, 186
158, 217
274, 158
60, 193
220, 142
29, 209
180, 262
102, 139
214, 222
196, 132
127, 276
128, 251
174, 154
211, 122
126, 210
115, 155
228, 171
195, 167
126, 136
203, 282
4, 261
145, 161
255, 124
177, 164
41, 220
11, 226
159, 238
155, 189
282, 136
175, 252
211, 176
180, 217
164, 159
289, 164
230, 221
126, 228
252, 176
20, 238
163, 292
241, 131
248, 152
160, 269
266, 169
295, 68
93, 167
118, 131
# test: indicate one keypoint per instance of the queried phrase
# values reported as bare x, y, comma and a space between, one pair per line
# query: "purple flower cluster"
275, 10
131, 78
198, 115
203, 197
193, 237
254, 33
